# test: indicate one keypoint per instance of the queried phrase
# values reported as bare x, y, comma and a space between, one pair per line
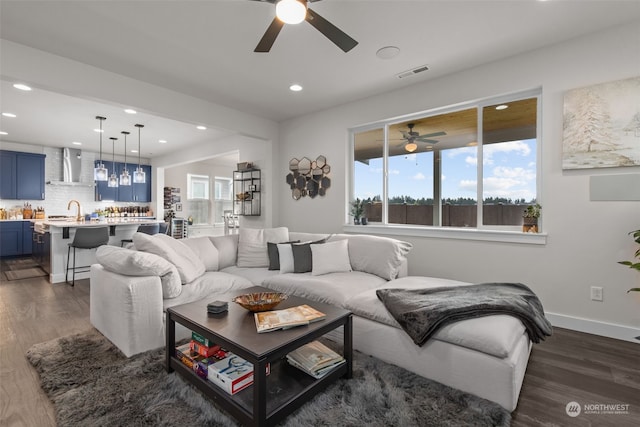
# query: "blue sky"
509, 171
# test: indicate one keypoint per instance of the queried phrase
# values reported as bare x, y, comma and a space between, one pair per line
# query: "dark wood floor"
569, 366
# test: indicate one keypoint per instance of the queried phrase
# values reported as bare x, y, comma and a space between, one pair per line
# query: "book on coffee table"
267, 321
315, 358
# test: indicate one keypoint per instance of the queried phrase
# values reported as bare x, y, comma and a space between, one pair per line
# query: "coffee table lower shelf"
288, 388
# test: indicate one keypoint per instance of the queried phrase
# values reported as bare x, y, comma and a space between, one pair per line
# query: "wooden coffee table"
271, 398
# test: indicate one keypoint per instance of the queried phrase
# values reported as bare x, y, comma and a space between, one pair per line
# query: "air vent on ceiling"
413, 72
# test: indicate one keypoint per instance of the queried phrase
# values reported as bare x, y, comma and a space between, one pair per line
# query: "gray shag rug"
90, 383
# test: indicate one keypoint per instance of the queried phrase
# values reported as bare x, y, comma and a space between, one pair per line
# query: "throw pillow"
205, 250
332, 257
302, 257
252, 245
285, 255
136, 263
188, 264
274, 257
377, 255
227, 249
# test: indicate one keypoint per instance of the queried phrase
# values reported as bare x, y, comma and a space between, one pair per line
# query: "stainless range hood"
71, 169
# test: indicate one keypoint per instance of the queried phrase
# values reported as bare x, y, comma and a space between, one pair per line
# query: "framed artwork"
601, 126
178, 207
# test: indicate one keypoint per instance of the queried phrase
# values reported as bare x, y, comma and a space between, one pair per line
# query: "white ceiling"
205, 49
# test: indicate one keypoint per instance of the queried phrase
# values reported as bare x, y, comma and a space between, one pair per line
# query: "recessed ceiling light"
130, 111
76, 143
99, 130
8, 114
162, 141
472, 144
3, 132
502, 107
388, 52
295, 87
134, 151
21, 86
201, 127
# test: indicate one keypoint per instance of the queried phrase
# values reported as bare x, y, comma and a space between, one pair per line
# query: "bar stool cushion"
136, 263
204, 249
188, 264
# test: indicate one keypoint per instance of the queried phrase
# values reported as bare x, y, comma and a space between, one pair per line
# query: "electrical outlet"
596, 293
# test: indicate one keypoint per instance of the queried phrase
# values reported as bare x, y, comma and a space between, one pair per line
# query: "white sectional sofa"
130, 289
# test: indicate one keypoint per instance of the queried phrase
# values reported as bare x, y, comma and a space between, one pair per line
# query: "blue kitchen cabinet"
103, 191
30, 176
21, 175
27, 238
10, 238
7, 174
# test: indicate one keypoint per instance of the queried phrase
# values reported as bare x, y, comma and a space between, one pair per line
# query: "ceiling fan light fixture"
411, 147
291, 11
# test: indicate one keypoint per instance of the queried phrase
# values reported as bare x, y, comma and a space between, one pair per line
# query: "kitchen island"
62, 232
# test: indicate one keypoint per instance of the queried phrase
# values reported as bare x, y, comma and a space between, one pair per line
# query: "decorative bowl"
260, 301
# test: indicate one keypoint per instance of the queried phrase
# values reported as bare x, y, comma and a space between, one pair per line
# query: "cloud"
468, 185
394, 172
419, 177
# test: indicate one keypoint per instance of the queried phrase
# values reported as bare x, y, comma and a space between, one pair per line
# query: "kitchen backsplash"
57, 196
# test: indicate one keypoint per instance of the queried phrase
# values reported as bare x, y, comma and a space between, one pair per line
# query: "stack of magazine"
316, 359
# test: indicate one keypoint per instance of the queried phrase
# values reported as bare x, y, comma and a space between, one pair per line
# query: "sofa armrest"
127, 310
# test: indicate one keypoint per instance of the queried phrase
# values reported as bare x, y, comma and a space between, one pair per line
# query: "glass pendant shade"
139, 176
100, 173
291, 11
125, 178
411, 147
113, 179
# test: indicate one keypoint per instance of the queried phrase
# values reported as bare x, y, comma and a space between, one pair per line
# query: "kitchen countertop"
108, 221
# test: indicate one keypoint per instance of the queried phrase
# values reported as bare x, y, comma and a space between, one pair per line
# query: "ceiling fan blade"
333, 33
269, 36
431, 135
428, 141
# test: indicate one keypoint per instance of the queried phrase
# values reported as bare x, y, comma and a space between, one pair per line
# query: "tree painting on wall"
602, 125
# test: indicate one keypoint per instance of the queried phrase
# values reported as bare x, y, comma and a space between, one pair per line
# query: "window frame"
482, 232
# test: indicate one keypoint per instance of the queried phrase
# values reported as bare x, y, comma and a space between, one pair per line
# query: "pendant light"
113, 179
100, 173
139, 176
125, 178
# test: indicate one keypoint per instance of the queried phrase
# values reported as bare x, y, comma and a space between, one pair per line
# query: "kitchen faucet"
79, 217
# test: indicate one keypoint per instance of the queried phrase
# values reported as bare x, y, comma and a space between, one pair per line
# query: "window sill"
450, 233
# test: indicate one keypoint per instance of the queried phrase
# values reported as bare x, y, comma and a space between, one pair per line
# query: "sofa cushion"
332, 257
206, 251
255, 275
377, 255
332, 288
285, 257
252, 245
210, 285
227, 249
135, 263
188, 264
495, 335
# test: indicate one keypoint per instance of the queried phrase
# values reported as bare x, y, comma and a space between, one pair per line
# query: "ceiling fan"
410, 138
301, 12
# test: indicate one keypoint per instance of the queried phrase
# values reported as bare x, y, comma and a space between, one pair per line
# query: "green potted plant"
530, 218
632, 264
357, 208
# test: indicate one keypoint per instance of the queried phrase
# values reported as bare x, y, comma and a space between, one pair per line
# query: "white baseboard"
594, 327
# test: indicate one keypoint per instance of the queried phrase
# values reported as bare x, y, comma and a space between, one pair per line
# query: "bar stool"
85, 238
164, 228
144, 228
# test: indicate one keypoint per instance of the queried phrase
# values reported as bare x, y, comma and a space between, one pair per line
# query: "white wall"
585, 239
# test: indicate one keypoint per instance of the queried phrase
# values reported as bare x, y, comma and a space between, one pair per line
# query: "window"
223, 194
198, 198
456, 167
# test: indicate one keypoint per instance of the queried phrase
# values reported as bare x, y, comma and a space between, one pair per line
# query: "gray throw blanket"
421, 312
